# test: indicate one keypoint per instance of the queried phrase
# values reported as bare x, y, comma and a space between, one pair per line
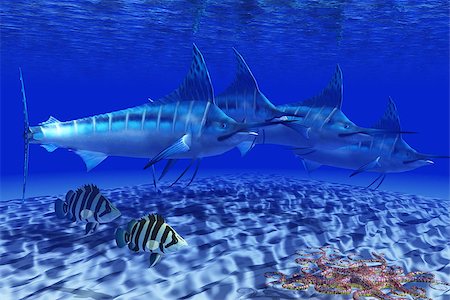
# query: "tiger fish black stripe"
174, 239
133, 230
90, 199
138, 233
159, 222
149, 230
101, 200
74, 202
165, 234
69, 201
86, 196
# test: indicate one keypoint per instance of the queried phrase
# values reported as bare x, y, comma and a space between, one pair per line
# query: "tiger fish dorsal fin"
159, 217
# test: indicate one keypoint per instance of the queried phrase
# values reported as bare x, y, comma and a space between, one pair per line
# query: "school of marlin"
192, 123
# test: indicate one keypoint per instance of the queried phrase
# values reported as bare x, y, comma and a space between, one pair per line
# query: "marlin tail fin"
26, 136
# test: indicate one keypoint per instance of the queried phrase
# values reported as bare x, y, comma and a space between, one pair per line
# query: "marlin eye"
223, 125
346, 126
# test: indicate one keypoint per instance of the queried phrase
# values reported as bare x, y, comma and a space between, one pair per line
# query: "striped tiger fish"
150, 234
87, 204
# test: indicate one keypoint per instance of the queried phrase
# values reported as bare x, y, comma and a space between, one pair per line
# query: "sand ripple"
238, 228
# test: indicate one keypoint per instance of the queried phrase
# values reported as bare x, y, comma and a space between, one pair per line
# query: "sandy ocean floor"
237, 227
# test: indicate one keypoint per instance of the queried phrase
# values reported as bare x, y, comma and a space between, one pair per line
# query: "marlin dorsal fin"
331, 96
196, 85
245, 86
390, 119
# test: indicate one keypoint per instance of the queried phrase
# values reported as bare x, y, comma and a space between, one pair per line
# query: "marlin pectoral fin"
180, 146
310, 165
90, 158
49, 147
367, 167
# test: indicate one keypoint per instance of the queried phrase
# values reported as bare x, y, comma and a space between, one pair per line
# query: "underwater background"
244, 216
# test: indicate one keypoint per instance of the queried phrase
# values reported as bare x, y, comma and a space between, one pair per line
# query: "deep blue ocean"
244, 216
90, 57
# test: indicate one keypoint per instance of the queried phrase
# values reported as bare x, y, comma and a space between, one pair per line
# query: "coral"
331, 272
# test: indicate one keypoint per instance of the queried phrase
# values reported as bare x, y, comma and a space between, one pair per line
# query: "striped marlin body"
387, 153
87, 204
150, 234
184, 124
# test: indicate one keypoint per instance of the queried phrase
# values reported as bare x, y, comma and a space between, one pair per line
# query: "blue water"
81, 58
89, 57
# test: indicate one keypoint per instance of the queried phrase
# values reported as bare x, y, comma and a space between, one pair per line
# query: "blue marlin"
387, 153
184, 124
319, 120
